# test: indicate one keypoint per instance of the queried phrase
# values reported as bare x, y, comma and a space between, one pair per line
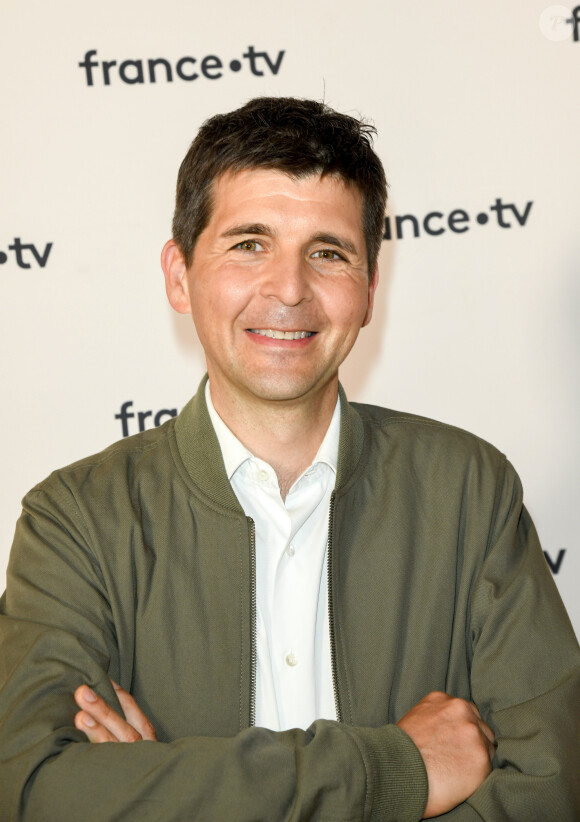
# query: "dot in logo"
482, 218
3, 257
235, 65
555, 23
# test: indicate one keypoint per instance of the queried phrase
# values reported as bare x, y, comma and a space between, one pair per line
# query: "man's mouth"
281, 335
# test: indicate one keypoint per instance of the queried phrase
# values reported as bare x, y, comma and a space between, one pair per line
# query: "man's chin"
281, 389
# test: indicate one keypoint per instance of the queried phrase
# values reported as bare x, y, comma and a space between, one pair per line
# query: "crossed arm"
58, 630
457, 746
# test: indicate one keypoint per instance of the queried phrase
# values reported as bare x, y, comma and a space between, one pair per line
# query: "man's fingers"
134, 714
108, 722
484, 728
102, 724
95, 732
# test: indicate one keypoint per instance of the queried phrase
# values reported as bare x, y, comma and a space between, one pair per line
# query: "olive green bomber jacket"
137, 564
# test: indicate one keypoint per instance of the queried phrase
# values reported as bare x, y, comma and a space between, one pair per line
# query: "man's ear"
175, 271
374, 281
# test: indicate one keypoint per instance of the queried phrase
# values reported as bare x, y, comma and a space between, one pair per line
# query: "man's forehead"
234, 188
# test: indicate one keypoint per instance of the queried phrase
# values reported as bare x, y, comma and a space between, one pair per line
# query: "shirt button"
291, 660
263, 475
290, 550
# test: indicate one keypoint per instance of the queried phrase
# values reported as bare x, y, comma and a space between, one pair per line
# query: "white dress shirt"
293, 671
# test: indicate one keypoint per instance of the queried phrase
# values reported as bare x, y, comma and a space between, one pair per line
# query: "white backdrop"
478, 116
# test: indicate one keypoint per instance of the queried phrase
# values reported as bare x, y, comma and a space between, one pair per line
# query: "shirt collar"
235, 453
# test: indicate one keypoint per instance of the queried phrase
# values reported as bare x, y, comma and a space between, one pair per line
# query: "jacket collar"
201, 455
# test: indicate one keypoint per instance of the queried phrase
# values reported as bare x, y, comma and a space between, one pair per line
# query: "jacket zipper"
331, 612
252, 621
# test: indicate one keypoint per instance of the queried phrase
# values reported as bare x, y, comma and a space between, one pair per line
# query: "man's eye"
248, 245
327, 254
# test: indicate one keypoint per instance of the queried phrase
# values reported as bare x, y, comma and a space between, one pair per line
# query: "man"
312, 609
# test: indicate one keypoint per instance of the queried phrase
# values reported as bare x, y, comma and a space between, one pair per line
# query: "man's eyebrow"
249, 228
332, 239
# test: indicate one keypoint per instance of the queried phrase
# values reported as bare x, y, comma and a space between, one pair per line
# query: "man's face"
278, 287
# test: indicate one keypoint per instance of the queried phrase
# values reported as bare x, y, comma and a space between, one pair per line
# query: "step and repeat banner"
476, 323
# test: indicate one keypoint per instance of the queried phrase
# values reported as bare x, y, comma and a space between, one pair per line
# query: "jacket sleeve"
57, 631
525, 676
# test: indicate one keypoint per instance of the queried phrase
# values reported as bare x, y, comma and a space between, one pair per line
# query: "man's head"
298, 137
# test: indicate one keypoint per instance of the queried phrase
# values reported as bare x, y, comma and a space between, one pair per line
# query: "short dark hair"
298, 137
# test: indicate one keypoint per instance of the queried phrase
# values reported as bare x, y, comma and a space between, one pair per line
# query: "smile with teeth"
281, 335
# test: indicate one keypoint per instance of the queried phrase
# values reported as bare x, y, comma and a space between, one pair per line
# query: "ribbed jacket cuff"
398, 787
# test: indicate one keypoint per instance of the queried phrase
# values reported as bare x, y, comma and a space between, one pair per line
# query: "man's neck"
285, 434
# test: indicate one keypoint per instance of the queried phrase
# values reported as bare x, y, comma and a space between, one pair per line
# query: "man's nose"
288, 280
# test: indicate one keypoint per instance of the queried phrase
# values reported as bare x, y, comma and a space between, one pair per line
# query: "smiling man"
281, 605
279, 287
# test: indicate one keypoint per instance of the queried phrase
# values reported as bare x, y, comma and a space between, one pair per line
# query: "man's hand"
456, 745
102, 724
